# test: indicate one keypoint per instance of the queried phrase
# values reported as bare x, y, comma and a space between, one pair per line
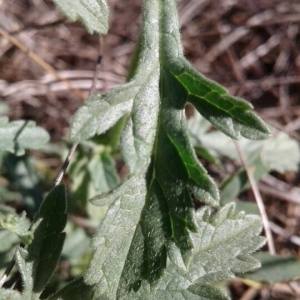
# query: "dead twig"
92, 90
259, 201
40, 61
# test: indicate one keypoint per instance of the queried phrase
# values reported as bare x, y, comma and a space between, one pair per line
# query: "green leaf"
275, 268
92, 171
3, 109
25, 178
153, 208
8, 240
271, 153
92, 13
113, 240
76, 244
101, 112
234, 184
261, 157
274, 153
75, 290
38, 261
18, 225
229, 114
16, 136
223, 246
10, 295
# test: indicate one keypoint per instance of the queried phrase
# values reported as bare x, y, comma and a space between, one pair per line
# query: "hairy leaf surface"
10, 295
219, 252
75, 290
38, 261
153, 210
92, 13
16, 136
18, 225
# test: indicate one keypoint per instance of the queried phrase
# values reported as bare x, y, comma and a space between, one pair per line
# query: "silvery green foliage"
152, 211
219, 252
75, 290
92, 13
10, 295
18, 225
16, 136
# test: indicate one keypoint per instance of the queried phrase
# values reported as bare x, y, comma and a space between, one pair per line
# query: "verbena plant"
152, 243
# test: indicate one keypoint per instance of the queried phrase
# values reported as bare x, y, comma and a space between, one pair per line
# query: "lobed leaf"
92, 13
231, 115
99, 113
16, 136
153, 209
38, 261
271, 153
223, 246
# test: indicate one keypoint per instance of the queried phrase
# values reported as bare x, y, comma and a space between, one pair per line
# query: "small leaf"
18, 225
38, 261
10, 295
75, 290
229, 114
234, 184
92, 13
93, 171
207, 292
223, 246
274, 153
275, 268
100, 112
16, 136
271, 153
9, 240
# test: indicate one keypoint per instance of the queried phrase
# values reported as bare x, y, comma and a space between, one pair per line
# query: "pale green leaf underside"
18, 225
10, 295
154, 207
114, 237
92, 13
17, 136
222, 246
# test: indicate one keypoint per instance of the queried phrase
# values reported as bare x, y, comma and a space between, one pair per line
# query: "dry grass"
249, 46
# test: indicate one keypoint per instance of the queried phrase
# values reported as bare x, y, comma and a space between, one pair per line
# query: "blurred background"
252, 47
